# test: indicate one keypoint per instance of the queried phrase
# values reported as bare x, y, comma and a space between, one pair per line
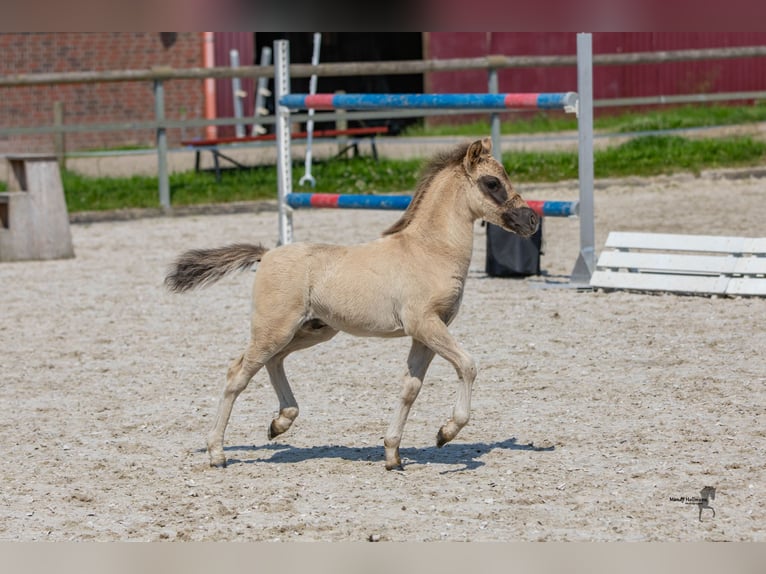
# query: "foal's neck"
444, 220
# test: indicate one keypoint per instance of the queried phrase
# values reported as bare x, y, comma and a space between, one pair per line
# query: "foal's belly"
357, 332
372, 321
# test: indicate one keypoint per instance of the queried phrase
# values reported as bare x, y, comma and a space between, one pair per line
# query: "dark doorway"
354, 47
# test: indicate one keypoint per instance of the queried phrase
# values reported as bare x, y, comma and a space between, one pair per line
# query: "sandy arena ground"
591, 410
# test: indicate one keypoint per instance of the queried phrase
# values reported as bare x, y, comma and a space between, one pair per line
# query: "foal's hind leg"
271, 335
288, 406
433, 333
417, 364
239, 375
310, 334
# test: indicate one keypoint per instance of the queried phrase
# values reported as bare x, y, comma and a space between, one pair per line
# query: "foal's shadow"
468, 455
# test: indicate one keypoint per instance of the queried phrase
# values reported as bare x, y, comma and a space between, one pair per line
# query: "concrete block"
34, 222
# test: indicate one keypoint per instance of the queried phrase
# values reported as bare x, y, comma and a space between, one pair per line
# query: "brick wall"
96, 103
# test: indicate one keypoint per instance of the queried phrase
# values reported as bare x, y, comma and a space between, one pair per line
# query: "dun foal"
408, 283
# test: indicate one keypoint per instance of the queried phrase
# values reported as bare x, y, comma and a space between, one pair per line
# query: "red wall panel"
744, 74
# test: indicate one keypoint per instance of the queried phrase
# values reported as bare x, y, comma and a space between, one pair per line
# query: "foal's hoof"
274, 432
218, 461
440, 439
396, 465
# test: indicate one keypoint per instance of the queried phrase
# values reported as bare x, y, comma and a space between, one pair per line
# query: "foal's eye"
493, 188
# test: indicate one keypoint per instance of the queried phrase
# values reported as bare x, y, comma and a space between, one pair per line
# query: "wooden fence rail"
378, 68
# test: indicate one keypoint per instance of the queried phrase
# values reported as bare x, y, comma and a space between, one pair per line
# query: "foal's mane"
444, 159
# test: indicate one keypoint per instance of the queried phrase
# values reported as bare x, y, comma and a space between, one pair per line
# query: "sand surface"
592, 412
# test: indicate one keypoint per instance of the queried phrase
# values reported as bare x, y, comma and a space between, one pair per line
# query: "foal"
408, 283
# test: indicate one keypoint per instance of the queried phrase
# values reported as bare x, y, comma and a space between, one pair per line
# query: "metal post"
494, 121
261, 92
59, 138
341, 124
586, 260
162, 144
237, 94
284, 160
307, 177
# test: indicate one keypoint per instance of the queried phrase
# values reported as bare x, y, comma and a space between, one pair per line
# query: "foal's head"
491, 195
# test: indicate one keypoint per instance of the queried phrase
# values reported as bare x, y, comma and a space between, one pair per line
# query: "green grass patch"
644, 156
654, 155
84, 193
357, 175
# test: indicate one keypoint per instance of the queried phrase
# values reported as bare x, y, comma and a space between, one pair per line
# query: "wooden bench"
692, 264
355, 135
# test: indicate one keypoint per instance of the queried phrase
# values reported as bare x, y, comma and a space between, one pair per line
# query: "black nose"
534, 220
527, 220
523, 221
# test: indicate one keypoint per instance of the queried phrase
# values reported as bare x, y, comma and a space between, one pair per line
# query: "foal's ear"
475, 151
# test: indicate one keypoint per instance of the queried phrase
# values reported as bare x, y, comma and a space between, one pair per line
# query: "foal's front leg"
433, 333
417, 364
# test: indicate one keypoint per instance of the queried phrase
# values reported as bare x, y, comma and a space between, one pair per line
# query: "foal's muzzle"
522, 220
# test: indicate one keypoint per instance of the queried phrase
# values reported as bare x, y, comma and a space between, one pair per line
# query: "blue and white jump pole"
401, 202
566, 101
562, 101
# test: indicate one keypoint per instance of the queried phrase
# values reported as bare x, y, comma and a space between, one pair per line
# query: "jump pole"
566, 101
400, 202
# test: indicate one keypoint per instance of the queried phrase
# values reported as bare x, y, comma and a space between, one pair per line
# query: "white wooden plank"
675, 242
750, 266
659, 282
746, 286
682, 263
675, 262
756, 245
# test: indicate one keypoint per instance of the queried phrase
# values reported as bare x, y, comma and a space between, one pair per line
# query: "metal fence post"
494, 119
586, 260
162, 144
59, 137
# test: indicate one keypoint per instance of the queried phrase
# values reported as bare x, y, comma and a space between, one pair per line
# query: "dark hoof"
397, 466
440, 440
273, 432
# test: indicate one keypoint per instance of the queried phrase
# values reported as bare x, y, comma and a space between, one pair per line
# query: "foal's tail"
200, 267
